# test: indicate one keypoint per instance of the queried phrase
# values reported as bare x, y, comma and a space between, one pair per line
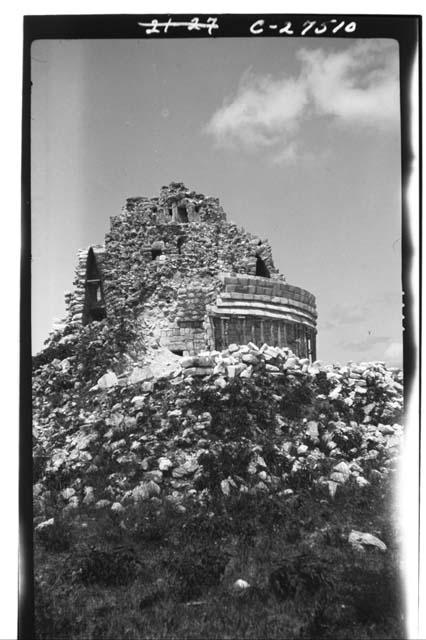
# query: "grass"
154, 572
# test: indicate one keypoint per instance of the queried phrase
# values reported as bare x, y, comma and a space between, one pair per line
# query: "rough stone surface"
359, 540
193, 281
159, 435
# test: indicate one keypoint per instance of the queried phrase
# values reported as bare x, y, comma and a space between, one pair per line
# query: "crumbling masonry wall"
192, 280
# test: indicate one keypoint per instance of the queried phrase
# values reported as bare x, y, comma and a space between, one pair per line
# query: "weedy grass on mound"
156, 572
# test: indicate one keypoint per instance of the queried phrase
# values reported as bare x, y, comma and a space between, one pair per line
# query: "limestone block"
198, 371
108, 380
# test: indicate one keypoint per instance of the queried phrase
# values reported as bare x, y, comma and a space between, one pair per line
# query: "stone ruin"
195, 281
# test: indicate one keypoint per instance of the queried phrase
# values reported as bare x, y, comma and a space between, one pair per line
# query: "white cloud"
358, 85
261, 106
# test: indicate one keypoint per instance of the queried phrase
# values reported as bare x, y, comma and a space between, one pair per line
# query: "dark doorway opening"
261, 269
94, 302
182, 214
95, 315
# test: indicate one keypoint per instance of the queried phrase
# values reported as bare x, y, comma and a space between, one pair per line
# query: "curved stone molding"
260, 310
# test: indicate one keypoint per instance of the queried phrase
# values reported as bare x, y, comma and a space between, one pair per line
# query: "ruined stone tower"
192, 280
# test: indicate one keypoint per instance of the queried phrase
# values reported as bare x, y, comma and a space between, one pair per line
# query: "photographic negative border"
406, 30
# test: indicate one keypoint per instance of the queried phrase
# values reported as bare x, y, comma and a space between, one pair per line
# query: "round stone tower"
192, 280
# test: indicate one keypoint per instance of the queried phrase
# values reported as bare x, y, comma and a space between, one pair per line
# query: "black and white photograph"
221, 327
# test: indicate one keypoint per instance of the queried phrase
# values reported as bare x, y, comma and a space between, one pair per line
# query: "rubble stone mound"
186, 367
246, 419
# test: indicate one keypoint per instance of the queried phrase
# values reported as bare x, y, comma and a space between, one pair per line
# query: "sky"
299, 138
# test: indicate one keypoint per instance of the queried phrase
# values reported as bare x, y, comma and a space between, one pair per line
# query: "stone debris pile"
246, 419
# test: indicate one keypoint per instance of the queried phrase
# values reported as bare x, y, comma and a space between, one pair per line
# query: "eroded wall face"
192, 281
169, 269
